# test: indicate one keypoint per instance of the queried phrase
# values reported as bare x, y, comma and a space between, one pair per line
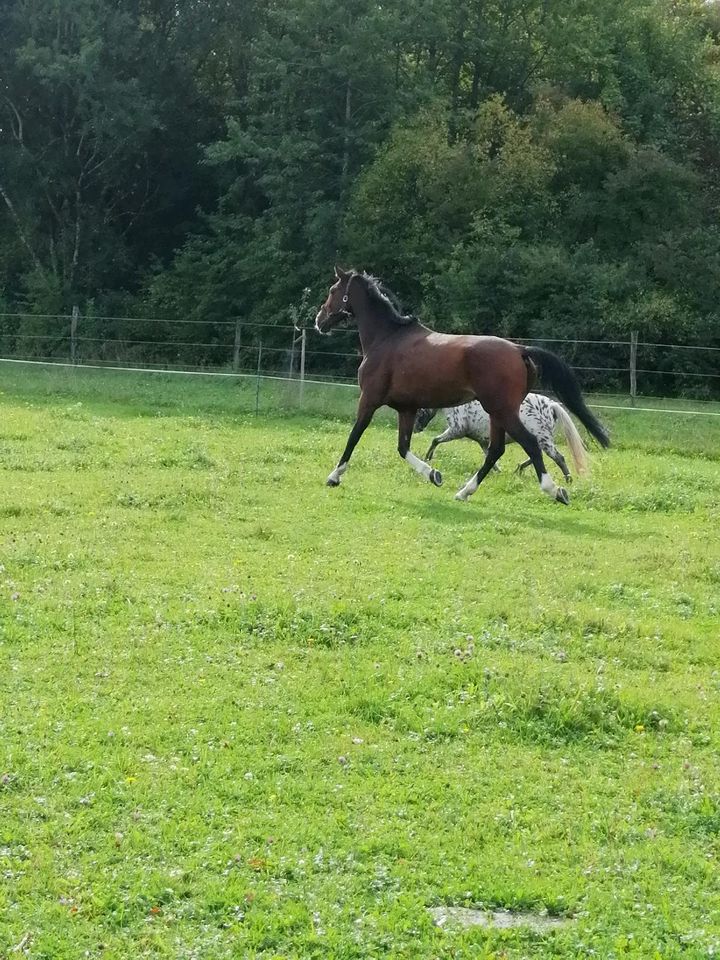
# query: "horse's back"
421, 368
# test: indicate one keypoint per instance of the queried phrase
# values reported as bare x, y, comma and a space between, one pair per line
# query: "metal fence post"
73, 334
257, 382
633, 365
302, 362
236, 346
292, 355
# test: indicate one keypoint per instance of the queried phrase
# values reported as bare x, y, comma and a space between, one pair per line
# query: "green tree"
95, 108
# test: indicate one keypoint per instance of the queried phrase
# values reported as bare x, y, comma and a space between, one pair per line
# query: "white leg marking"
424, 469
334, 478
468, 490
547, 485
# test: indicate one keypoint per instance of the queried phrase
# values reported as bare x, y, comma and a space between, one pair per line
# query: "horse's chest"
366, 372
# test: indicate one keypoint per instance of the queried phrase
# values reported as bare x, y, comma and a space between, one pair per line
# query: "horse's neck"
370, 335
372, 326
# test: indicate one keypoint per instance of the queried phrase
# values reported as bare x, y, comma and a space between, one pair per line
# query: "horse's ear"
340, 273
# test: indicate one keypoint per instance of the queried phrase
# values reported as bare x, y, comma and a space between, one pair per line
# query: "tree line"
533, 168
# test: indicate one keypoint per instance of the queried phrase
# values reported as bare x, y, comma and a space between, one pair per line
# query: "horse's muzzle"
324, 321
320, 320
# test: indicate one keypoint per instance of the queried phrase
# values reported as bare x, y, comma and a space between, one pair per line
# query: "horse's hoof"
568, 479
332, 482
436, 478
461, 496
562, 496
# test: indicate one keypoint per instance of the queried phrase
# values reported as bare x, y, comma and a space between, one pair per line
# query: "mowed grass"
244, 715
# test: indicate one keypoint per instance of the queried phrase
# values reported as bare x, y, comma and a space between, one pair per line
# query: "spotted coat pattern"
538, 413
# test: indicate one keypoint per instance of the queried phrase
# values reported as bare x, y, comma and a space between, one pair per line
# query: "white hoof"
334, 479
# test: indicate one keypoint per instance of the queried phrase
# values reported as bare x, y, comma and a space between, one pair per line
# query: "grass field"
244, 715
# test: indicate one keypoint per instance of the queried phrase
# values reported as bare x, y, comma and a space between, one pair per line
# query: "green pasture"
243, 715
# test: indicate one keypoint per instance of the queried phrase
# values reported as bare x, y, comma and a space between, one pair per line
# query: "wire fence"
630, 368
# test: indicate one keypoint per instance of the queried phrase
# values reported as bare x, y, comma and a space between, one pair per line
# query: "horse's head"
337, 305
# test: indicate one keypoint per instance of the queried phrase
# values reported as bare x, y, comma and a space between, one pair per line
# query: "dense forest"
537, 168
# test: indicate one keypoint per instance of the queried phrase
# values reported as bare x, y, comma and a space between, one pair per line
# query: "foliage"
520, 167
528, 225
97, 107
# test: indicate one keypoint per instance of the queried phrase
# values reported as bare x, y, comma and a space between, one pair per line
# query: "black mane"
384, 298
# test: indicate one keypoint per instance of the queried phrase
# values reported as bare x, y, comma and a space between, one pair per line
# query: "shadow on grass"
558, 519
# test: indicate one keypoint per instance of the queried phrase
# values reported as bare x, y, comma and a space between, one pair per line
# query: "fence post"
236, 345
257, 382
292, 356
302, 362
633, 365
73, 333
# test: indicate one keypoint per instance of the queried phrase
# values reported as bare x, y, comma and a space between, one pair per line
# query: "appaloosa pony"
406, 366
540, 414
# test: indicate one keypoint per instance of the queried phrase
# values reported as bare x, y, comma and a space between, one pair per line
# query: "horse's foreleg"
444, 437
530, 445
366, 410
406, 419
494, 451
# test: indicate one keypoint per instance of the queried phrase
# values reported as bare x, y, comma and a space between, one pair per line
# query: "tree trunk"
346, 139
19, 228
475, 88
458, 59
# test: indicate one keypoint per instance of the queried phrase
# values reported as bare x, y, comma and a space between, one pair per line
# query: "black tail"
423, 418
557, 374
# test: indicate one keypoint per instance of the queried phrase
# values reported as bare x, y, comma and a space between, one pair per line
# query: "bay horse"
407, 366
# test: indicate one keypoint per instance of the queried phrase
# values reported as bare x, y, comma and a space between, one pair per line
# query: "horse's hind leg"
552, 451
555, 455
406, 420
530, 445
494, 452
444, 437
483, 444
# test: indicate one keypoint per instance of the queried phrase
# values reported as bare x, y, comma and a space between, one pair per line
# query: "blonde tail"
575, 442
